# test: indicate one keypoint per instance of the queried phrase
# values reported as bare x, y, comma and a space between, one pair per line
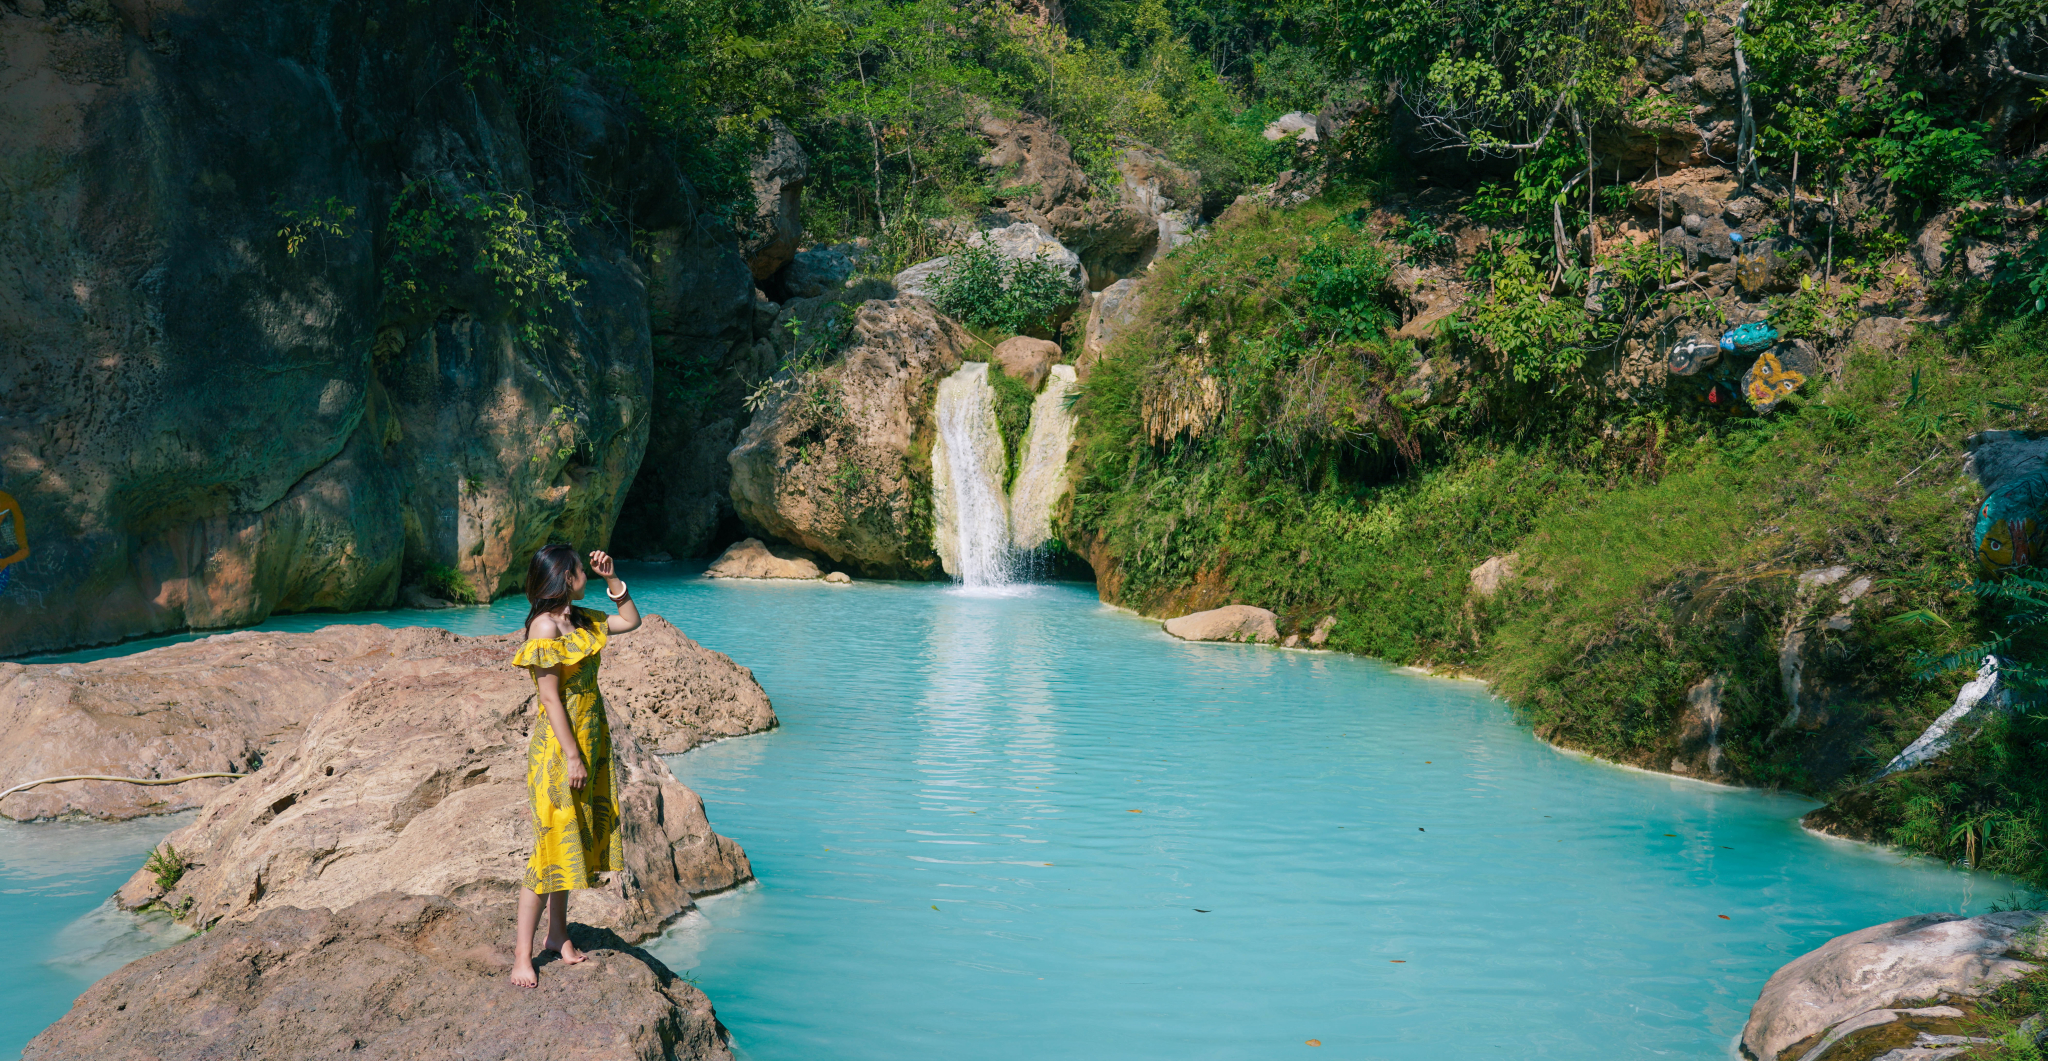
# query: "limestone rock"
1423, 326
1113, 311
1232, 622
394, 976
206, 426
1321, 633
1489, 577
1985, 696
703, 312
1115, 232
1773, 269
833, 464
769, 238
224, 703
1881, 333
420, 600
752, 559
1293, 124
819, 271
1027, 359
415, 781
839, 578
1886, 967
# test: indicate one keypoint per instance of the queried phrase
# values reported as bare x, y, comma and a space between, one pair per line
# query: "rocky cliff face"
240, 368
839, 463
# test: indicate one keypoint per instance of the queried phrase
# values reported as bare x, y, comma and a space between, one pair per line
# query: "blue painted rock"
2010, 529
1749, 338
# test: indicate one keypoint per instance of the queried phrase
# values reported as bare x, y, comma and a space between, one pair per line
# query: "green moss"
1013, 416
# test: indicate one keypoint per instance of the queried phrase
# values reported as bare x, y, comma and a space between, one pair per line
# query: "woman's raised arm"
628, 618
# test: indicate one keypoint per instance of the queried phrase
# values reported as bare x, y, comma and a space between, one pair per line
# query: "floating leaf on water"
1724, 917
1315, 1042
1137, 812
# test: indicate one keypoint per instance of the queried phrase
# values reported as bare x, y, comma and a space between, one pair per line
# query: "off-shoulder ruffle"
571, 648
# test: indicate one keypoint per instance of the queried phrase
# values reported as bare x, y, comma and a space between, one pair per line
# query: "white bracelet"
624, 592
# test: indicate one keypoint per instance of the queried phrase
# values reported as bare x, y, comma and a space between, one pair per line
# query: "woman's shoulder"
543, 627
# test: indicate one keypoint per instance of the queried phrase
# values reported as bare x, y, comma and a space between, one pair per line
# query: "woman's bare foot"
523, 975
564, 947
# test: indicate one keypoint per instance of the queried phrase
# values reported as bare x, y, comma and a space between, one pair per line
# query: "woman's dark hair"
550, 578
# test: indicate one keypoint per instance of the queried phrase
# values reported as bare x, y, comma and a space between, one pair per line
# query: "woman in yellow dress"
570, 783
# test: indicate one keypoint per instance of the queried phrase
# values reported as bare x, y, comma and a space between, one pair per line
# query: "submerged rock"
394, 976
750, 558
1874, 976
1232, 622
415, 780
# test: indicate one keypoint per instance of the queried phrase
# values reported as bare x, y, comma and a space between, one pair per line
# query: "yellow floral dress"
575, 831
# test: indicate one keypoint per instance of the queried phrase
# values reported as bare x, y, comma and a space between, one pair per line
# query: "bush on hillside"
983, 287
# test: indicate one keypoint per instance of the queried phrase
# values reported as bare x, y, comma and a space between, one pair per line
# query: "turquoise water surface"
1031, 826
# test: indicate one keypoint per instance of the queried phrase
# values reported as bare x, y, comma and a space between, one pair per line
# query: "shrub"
986, 288
168, 866
449, 584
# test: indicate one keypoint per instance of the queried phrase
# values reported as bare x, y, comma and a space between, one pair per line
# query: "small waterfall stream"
972, 532
1043, 477
981, 534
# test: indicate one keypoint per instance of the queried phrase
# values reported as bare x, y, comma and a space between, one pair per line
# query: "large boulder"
769, 238
838, 461
415, 781
750, 558
1877, 975
1026, 359
207, 420
223, 703
1232, 622
393, 976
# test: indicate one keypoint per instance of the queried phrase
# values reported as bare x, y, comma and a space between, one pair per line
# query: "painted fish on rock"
2010, 529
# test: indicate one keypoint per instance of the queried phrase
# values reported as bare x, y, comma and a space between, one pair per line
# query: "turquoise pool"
1031, 826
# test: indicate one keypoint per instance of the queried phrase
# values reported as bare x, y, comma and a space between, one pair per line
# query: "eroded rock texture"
393, 977
415, 781
207, 419
839, 463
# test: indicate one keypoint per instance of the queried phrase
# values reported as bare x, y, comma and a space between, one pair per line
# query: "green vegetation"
439, 580
1265, 434
519, 247
1013, 416
167, 865
981, 286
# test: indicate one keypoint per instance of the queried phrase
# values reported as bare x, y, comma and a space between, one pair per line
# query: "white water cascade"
972, 532
1043, 477
981, 534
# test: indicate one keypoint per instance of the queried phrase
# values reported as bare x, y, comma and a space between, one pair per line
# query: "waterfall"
1043, 478
972, 532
